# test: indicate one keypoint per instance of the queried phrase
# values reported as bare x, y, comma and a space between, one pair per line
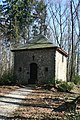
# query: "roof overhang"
60, 50
38, 47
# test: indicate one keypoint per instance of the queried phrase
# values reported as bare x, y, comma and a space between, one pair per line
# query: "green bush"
49, 82
58, 81
7, 79
75, 116
76, 79
65, 86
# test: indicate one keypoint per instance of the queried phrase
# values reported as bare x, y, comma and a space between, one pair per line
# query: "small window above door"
20, 69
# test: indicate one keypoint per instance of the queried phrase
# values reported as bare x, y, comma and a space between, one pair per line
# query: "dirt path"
10, 102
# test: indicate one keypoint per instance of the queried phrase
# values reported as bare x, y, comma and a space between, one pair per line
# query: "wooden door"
33, 73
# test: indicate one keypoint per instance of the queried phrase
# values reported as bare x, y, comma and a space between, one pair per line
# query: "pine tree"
40, 14
18, 17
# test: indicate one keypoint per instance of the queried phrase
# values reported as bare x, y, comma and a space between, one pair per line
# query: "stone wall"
45, 60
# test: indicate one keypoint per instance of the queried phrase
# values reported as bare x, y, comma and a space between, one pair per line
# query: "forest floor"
43, 104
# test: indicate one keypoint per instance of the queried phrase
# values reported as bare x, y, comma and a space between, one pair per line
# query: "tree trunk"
72, 52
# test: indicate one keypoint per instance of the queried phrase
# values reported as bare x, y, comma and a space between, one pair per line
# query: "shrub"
7, 79
65, 86
58, 81
75, 116
49, 82
76, 79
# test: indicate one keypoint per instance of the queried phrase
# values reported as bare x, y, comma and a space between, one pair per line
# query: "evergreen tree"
17, 14
40, 14
22, 18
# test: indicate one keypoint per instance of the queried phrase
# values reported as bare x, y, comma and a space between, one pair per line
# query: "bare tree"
65, 24
57, 21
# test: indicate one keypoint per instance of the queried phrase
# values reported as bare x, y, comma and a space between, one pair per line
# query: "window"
33, 57
46, 69
20, 69
62, 58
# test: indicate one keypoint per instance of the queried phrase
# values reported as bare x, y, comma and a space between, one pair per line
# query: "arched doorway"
33, 73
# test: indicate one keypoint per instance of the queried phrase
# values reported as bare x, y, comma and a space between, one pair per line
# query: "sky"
0, 1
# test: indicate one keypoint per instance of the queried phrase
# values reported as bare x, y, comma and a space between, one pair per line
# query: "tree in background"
21, 15
65, 24
19, 21
57, 20
40, 15
17, 15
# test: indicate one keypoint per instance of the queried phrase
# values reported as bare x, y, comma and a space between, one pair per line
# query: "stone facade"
50, 64
45, 60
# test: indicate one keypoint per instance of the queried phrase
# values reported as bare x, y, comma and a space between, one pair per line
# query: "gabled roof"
40, 42
37, 42
41, 39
